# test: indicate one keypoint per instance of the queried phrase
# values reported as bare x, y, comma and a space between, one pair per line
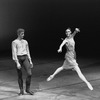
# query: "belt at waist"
21, 55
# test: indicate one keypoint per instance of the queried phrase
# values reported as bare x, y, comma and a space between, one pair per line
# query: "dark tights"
23, 60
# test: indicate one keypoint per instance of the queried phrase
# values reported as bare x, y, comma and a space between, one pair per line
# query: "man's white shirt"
20, 47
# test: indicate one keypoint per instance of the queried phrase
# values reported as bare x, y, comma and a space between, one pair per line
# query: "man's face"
21, 35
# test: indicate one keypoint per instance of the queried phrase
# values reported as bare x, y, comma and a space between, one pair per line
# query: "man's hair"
19, 30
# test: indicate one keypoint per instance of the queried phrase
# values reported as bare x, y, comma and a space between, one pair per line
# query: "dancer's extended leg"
56, 72
82, 77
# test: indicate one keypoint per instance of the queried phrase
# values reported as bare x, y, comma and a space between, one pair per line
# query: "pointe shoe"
50, 78
90, 86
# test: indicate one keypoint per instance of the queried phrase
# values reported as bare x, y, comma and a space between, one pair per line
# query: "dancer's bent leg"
29, 75
56, 72
83, 77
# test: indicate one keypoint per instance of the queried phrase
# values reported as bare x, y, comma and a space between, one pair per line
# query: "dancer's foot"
21, 93
90, 86
29, 92
50, 77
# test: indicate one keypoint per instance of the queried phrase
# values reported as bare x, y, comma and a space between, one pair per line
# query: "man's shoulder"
14, 41
25, 40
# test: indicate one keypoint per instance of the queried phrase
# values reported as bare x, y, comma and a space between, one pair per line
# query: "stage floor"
65, 86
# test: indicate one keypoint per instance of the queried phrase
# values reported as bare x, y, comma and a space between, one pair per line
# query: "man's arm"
14, 55
28, 53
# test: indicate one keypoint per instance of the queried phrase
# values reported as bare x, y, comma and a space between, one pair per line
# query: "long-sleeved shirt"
19, 48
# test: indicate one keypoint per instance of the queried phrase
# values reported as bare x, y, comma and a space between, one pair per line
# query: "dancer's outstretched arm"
62, 44
76, 31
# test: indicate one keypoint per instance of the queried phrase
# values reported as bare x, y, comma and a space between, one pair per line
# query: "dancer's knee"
29, 74
77, 69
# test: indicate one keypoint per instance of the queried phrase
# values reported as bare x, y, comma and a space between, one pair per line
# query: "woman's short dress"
70, 61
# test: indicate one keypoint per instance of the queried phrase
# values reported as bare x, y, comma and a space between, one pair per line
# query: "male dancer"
22, 58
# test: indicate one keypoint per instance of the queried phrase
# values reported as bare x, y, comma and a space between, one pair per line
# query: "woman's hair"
68, 29
20, 30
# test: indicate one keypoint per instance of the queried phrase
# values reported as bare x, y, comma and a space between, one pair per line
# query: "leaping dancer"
70, 57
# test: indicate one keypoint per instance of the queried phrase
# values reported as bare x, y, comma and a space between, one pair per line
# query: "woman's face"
68, 32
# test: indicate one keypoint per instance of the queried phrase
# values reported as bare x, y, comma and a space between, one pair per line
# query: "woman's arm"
76, 31
62, 44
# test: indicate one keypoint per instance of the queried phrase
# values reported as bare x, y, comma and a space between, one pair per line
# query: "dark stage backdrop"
45, 22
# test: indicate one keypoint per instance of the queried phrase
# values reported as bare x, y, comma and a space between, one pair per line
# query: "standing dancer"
70, 61
22, 58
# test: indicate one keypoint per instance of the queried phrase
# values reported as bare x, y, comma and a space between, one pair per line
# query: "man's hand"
31, 64
18, 65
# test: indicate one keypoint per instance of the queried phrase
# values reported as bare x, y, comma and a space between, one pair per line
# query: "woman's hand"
59, 50
77, 29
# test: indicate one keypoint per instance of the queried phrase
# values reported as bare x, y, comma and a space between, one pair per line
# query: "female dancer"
70, 61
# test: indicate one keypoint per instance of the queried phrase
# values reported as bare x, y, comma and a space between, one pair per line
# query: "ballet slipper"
90, 86
50, 78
